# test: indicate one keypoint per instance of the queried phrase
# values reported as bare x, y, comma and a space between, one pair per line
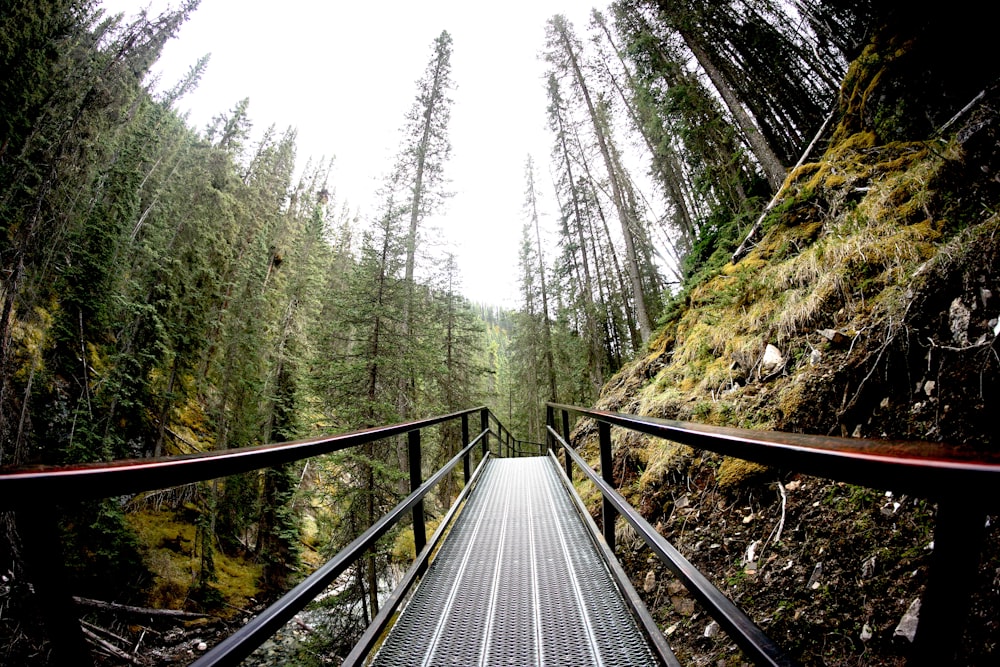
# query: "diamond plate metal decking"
518, 581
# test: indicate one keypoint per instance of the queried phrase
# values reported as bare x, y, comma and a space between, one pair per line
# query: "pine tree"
420, 171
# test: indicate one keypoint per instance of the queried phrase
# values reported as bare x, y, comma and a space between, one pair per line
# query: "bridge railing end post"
608, 513
466, 468
416, 479
565, 434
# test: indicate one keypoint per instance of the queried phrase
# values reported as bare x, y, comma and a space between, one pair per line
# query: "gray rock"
683, 606
907, 628
649, 585
837, 338
958, 321
772, 361
711, 630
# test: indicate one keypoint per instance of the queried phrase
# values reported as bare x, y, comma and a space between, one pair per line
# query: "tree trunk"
550, 366
773, 168
624, 215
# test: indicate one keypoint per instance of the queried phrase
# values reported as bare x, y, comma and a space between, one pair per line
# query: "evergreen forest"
727, 177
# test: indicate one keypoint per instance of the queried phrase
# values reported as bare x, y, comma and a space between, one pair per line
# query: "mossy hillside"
850, 256
884, 273
170, 553
893, 244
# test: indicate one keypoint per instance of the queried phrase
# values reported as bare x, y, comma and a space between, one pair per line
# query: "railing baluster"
419, 531
39, 531
484, 425
959, 532
466, 470
568, 460
550, 421
607, 473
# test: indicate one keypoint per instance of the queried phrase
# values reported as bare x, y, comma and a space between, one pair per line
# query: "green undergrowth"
169, 552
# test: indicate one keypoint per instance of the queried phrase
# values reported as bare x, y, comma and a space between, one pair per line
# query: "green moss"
403, 548
663, 459
734, 473
167, 546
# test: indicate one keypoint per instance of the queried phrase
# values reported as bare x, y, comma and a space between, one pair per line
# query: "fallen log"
137, 611
108, 647
751, 238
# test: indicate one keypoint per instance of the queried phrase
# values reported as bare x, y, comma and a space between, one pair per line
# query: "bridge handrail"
926, 469
373, 633
31, 484
962, 483
237, 646
757, 645
32, 492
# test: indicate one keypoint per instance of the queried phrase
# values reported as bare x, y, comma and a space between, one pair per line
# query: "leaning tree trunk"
774, 169
619, 200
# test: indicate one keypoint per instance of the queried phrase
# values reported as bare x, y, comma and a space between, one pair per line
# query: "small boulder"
683, 606
907, 628
772, 361
836, 338
958, 321
649, 585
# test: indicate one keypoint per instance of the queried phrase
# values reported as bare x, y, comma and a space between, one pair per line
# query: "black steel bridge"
517, 572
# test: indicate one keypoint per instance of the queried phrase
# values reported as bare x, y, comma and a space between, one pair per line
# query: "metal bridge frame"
960, 484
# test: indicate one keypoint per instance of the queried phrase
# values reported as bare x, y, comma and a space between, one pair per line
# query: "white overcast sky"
344, 74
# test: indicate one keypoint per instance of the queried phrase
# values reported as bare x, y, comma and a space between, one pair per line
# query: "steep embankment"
868, 308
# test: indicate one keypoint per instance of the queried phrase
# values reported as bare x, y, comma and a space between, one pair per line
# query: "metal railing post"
550, 420
484, 425
419, 531
607, 473
39, 530
565, 428
466, 470
959, 531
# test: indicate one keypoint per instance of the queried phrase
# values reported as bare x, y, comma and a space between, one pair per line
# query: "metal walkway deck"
517, 582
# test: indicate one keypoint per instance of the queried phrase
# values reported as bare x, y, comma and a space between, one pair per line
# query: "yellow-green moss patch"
169, 554
734, 473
